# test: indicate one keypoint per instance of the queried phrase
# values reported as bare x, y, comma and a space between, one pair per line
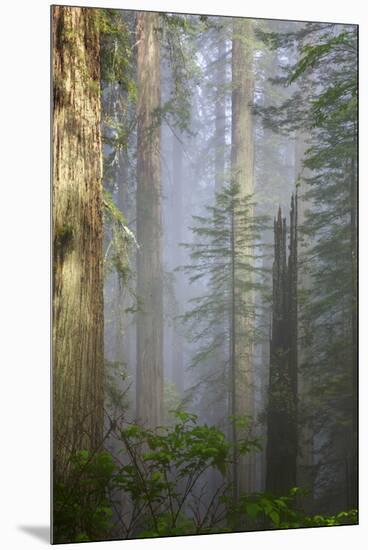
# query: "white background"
25, 272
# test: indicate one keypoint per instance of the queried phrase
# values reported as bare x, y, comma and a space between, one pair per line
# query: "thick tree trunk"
242, 169
149, 258
77, 236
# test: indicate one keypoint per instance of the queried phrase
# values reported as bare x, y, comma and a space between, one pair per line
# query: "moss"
64, 237
122, 239
94, 86
114, 213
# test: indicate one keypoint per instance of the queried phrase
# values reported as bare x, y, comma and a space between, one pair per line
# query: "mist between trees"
204, 274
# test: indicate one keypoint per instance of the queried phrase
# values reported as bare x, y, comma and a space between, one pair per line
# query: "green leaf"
82, 537
275, 517
253, 509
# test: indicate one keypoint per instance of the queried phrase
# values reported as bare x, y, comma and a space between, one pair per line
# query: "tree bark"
220, 115
149, 259
306, 459
283, 391
178, 223
352, 496
242, 170
78, 377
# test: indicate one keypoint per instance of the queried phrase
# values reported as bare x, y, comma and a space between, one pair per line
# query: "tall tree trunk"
124, 299
178, 222
219, 84
352, 497
149, 258
78, 376
233, 364
282, 407
220, 114
306, 458
242, 169
292, 329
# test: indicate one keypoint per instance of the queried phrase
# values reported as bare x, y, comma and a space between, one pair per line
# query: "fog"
204, 274
195, 164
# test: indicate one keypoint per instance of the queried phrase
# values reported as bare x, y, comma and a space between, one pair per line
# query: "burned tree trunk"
282, 405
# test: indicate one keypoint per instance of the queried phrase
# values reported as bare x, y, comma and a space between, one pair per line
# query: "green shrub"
161, 475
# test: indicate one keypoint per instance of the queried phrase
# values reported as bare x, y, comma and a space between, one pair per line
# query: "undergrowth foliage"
156, 485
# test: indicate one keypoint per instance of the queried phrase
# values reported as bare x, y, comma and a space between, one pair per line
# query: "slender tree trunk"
78, 377
292, 317
233, 364
352, 499
220, 149
149, 258
220, 115
306, 459
178, 222
124, 299
242, 169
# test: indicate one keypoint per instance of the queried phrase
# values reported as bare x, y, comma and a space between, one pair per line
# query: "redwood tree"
149, 258
242, 173
77, 236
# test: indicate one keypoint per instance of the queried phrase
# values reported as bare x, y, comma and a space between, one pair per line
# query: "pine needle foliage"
330, 312
226, 266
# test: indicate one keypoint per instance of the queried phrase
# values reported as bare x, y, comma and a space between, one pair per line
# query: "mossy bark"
149, 386
77, 236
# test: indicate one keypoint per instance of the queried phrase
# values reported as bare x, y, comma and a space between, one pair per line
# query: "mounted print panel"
204, 375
